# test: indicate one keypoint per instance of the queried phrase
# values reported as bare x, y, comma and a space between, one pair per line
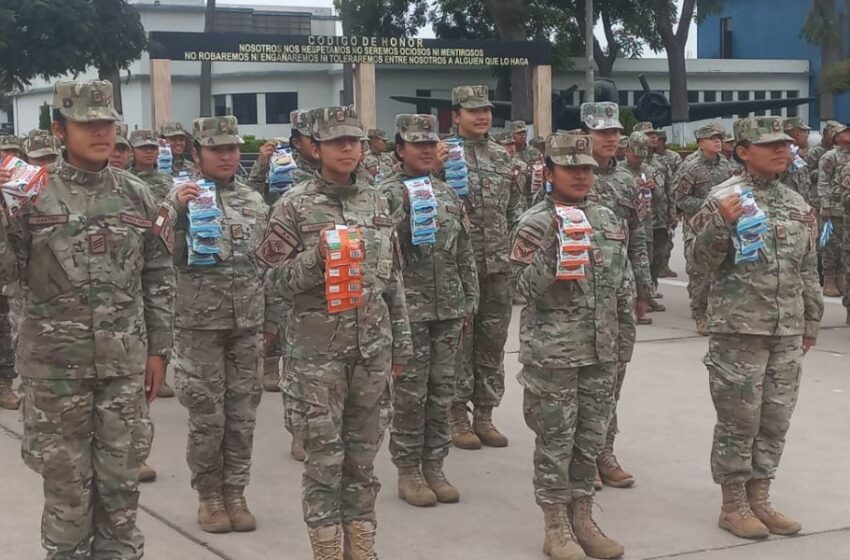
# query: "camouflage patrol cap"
709, 130
85, 101
538, 142
40, 145
417, 128
10, 142
728, 137
624, 142
377, 133
795, 122
121, 132
639, 144
832, 126
302, 121
570, 150
216, 131
336, 122
170, 129
662, 134
645, 127
505, 139
601, 116
471, 97
518, 126
143, 137
760, 130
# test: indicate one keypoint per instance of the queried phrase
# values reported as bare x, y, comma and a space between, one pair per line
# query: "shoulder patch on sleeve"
279, 245
525, 244
685, 184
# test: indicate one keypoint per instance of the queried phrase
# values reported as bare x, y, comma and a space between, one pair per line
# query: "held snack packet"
423, 210
165, 159
573, 242
750, 228
457, 171
204, 226
26, 183
281, 166
343, 269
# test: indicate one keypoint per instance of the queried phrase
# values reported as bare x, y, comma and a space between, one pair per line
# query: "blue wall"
770, 29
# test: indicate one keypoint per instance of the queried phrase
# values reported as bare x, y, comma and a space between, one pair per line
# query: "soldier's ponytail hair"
399, 141
743, 144
59, 117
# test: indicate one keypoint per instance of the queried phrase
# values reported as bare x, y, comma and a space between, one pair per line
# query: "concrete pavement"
666, 419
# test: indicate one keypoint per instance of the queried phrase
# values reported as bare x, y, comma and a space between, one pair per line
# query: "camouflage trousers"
613, 426
344, 407
697, 283
754, 383
480, 362
217, 378
87, 438
7, 354
662, 246
833, 253
424, 394
569, 410
845, 247
650, 247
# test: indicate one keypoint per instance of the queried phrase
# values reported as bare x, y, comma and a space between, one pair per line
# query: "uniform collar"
714, 161
332, 189
83, 177
581, 205
761, 182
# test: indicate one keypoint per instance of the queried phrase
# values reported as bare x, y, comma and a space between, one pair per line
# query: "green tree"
45, 117
390, 18
821, 28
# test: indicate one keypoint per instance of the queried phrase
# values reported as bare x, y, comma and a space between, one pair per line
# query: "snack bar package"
165, 159
750, 228
457, 172
343, 268
25, 185
204, 226
573, 242
423, 210
281, 167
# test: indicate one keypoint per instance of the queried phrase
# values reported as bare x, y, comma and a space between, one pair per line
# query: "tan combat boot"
359, 540
146, 473
8, 399
413, 489
758, 491
296, 448
591, 538
436, 479
326, 542
482, 423
165, 390
462, 434
736, 515
271, 375
702, 326
212, 516
612, 473
655, 307
560, 542
830, 286
241, 518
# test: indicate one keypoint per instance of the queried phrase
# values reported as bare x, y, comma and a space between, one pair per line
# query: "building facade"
769, 30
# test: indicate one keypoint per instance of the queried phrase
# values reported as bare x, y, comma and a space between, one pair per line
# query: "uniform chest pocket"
58, 262
608, 256
117, 251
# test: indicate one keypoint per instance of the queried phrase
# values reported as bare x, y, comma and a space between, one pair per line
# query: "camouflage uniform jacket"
522, 178
306, 169
388, 163
614, 188
160, 184
672, 161
695, 179
801, 182
493, 204
440, 281
229, 294
813, 160
829, 191
258, 177
573, 323
291, 247
99, 283
182, 164
780, 294
529, 155
657, 215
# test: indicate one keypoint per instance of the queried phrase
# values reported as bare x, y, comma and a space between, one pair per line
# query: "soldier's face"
765, 160
218, 163
43, 160
473, 123
843, 139
521, 138
144, 157
605, 142
570, 184
89, 144
727, 148
178, 144
379, 145
304, 146
339, 156
653, 140
120, 156
711, 146
420, 158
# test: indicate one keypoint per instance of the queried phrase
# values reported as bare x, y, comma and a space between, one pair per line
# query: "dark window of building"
709, 96
775, 94
623, 97
693, 97
237, 20
758, 96
245, 107
726, 37
795, 110
743, 96
279, 105
726, 95
219, 105
581, 96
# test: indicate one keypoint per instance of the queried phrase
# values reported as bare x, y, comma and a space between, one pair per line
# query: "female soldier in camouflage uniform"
763, 316
441, 288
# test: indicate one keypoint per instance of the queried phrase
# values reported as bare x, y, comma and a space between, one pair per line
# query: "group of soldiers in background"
427, 341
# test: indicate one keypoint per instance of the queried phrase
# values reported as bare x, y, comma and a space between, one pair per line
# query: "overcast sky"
690, 49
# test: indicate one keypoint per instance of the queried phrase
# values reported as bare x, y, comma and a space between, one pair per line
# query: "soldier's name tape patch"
805, 218
383, 221
135, 220
48, 219
312, 228
615, 235
248, 213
